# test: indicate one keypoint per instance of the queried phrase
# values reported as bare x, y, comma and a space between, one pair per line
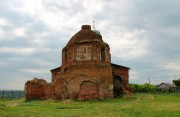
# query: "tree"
177, 82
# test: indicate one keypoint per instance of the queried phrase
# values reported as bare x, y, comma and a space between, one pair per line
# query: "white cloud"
39, 38
129, 45
17, 51
3, 22
36, 71
20, 31
172, 66
58, 15
133, 75
2, 33
12, 85
43, 11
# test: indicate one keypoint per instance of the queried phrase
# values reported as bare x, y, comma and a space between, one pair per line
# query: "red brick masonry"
86, 72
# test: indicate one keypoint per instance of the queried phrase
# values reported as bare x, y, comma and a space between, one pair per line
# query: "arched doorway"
88, 90
117, 86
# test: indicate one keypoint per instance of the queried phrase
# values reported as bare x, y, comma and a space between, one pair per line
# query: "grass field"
138, 105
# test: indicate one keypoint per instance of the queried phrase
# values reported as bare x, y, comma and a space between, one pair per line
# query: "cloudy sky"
142, 34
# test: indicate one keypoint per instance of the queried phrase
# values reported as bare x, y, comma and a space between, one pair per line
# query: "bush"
143, 87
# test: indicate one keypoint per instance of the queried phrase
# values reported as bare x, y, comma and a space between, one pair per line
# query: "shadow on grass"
127, 98
33, 100
67, 107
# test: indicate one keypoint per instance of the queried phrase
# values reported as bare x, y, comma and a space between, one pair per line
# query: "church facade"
86, 72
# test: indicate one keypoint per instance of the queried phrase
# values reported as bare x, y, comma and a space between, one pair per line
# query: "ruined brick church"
86, 72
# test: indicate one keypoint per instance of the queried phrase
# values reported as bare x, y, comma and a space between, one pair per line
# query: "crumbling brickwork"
38, 88
86, 72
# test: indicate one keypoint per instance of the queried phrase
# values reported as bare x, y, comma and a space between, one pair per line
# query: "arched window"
103, 54
65, 55
117, 79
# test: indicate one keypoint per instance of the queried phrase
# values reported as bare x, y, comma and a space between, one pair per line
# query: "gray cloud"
143, 35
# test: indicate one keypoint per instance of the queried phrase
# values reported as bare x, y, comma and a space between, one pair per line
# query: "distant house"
166, 86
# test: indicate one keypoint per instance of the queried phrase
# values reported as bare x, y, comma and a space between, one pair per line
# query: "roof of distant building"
168, 84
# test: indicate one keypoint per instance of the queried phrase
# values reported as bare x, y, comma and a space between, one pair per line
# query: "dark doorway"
117, 86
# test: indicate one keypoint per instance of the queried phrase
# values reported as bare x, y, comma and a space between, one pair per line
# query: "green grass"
138, 105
